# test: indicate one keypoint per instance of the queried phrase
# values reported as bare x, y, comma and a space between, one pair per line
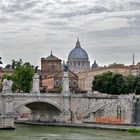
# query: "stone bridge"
73, 107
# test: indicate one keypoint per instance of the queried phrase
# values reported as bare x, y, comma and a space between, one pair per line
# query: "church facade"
52, 75
55, 82
50, 65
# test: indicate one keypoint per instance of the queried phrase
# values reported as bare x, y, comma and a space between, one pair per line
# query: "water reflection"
31, 132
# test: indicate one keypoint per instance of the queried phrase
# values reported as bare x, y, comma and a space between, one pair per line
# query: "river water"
31, 132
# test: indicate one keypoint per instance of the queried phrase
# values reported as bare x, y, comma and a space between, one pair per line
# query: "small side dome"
94, 65
78, 53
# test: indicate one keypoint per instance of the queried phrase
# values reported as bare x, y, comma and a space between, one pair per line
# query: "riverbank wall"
83, 125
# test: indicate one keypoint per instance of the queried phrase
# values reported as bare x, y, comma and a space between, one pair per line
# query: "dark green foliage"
137, 85
134, 130
8, 66
1, 60
22, 76
114, 83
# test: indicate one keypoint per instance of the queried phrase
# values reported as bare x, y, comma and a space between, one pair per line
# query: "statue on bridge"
65, 79
7, 85
36, 87
65, 67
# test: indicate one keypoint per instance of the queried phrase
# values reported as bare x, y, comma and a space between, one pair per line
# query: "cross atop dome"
78, 43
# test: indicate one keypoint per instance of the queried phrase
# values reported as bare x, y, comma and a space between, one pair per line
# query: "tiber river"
31, 132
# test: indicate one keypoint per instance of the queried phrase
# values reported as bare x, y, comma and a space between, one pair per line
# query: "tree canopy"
22, 76
115, 83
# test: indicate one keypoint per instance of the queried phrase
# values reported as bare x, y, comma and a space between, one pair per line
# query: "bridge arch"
28, 104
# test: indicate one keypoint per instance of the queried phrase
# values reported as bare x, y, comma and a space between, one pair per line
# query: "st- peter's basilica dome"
78, 59
78, 53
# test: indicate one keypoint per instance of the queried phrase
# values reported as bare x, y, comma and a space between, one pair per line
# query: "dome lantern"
78, 43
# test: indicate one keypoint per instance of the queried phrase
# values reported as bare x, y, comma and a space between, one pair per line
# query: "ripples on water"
31, 132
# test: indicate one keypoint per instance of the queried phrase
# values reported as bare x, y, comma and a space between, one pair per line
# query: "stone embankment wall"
103, 109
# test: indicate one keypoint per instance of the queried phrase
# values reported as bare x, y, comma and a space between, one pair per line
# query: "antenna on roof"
133, 59
77, 39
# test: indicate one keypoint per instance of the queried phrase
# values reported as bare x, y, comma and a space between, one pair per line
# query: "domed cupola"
78, 59
78, 53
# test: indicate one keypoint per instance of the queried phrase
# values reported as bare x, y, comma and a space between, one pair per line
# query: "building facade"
55, 82
52, 75
50, 66
136, 69
78, 59
85, 78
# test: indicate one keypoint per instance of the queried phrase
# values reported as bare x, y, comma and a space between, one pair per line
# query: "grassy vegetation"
134, 130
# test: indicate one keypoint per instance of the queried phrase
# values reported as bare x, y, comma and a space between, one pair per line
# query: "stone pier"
6, 122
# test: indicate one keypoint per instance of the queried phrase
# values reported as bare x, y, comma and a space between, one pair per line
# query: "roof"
51, 57
112, 66
56, 74
6, 70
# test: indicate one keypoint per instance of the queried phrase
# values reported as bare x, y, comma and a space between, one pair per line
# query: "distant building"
136, 69
50, 66
78, 59
52, 74
55, 82
94, 65
85, 78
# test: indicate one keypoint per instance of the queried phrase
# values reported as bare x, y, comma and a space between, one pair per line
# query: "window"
74, 83
57, 83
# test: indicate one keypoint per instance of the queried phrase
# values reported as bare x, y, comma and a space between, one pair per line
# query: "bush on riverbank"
134, 130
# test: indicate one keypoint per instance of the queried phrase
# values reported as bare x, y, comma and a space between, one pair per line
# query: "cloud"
40, 26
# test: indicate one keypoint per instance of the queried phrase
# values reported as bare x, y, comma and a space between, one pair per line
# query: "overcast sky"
109, 30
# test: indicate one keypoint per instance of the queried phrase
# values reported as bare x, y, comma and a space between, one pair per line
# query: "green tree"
17, 63
114, 83
137, 85
22, 76
128, 85
8, 66
102, 83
